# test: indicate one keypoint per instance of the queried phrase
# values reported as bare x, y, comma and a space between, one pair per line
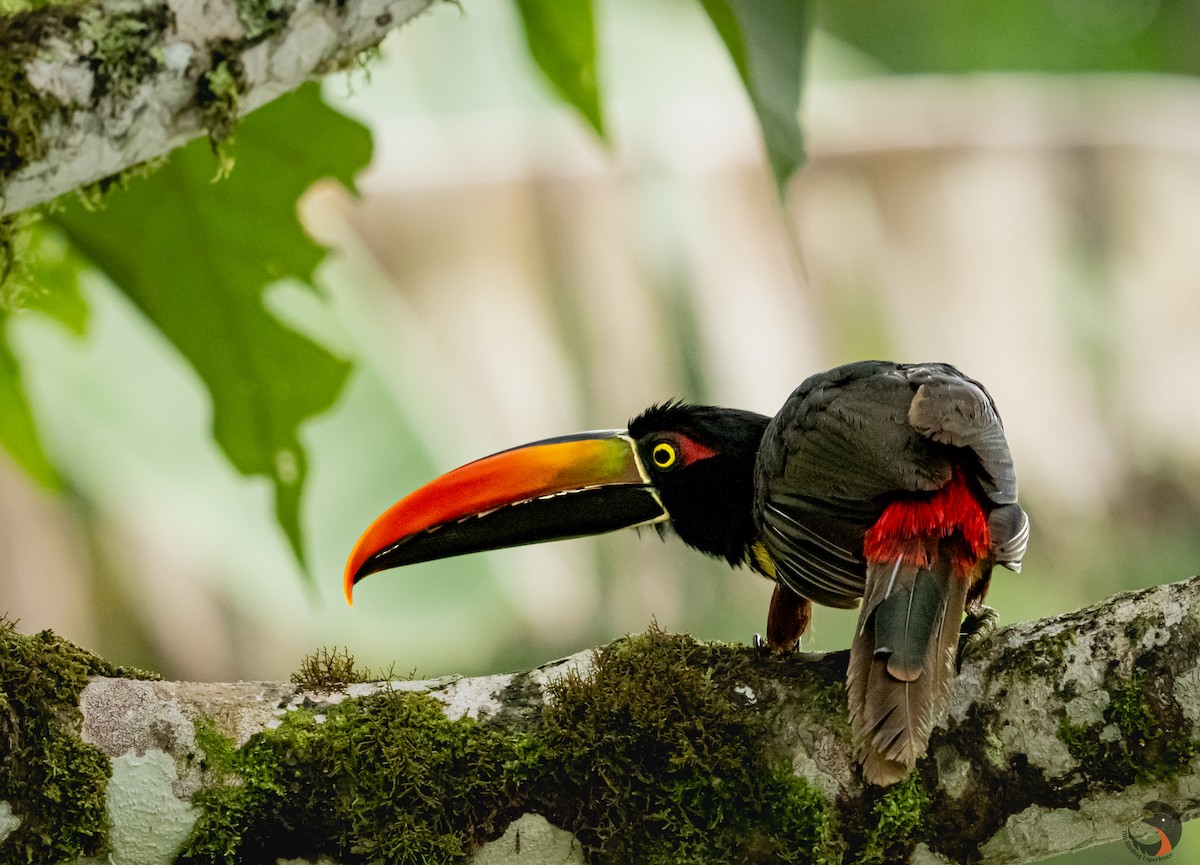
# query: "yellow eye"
664, 455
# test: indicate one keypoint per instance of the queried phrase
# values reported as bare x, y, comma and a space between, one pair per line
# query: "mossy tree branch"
90, 89
655, 748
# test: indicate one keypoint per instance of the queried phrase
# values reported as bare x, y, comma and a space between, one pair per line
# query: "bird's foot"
765, 648
976, 628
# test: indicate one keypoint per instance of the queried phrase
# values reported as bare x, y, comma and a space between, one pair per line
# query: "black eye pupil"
664, 455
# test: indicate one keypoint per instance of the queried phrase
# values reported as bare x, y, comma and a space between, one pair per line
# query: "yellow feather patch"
760, 559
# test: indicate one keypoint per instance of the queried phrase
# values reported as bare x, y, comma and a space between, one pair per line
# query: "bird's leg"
981, 619
977, 593
976, 628
787, 619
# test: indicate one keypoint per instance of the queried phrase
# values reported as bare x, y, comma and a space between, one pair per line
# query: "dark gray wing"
955, 410
952, 409
851, 439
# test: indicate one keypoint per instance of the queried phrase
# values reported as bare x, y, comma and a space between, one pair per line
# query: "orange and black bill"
565, 487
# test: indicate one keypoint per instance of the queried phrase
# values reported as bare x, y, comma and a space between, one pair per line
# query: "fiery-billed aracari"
876, 480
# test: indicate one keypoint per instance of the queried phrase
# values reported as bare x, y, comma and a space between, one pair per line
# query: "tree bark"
90, 90
1058, 733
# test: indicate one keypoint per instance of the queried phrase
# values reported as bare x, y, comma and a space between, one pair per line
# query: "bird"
878, 483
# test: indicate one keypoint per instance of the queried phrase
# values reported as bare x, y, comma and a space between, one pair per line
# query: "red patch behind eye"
690, 451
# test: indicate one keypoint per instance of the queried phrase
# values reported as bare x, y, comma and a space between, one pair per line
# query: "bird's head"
689, 465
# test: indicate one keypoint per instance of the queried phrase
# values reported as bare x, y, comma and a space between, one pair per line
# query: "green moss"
827, 698
642, 757
261, 18
802, 821
218, 93
53, 780
8, 7
652, 765
365, 57
25, 111
1043, 656
216, 750
1149, 746
91, 195
385, 778
15, 241
122, 49
329, 669
1082, 740
126, 48
896, 817
350, 60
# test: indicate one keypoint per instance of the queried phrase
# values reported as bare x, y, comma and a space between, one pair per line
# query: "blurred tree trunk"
1059, 732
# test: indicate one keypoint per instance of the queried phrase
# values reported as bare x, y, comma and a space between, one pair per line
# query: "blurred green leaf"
768, 41
54, 273
914, 36
50, 284
195, 257
562, 40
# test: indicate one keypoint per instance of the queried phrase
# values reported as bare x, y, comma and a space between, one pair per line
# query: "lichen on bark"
53, 782
89, 90
26, 111
656, 748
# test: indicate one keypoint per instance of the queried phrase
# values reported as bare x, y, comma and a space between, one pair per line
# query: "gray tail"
902, 662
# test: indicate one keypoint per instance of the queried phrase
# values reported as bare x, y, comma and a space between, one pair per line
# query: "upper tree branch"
1059, 731
87, 91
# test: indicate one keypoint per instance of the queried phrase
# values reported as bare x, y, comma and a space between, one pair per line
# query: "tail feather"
903, 622
902, 660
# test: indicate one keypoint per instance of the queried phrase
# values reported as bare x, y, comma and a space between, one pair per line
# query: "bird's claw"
976, 628
765, 648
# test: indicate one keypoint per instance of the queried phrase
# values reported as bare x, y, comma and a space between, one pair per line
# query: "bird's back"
851, 440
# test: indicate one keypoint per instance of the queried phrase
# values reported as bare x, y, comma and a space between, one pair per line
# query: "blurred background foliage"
1012, 188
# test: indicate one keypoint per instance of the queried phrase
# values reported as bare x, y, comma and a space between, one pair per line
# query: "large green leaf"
195, 256
768, 41
562, 40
